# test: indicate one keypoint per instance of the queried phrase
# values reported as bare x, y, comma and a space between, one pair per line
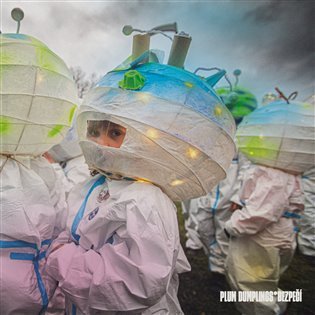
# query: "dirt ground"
199, 289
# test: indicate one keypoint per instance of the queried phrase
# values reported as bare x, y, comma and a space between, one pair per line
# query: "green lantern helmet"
239, 101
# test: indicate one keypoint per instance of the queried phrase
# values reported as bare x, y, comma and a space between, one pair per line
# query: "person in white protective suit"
262, 234
118, 264
38, 99
33, 214
306, 235
278, 140
151, 133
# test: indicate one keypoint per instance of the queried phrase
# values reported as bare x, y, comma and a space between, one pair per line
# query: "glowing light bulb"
177, 182
192, 153
217, 110
152, 133
188, 84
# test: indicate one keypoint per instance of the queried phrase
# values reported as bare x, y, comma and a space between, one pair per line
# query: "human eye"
115, 133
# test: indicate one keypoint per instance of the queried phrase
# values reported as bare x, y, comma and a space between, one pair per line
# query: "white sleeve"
265, 199
131, 274
76, 171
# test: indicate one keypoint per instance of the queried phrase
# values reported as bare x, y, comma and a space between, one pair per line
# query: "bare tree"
83, 82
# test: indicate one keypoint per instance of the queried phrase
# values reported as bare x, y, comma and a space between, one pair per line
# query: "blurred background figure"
38, 101
306, 235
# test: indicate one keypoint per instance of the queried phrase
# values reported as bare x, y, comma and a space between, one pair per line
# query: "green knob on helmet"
133, 80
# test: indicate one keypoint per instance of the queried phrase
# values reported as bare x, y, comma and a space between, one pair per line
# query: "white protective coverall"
306, 236
33, 212
262, 233
125, 253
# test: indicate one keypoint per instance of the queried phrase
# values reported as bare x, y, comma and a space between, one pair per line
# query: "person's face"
106, 133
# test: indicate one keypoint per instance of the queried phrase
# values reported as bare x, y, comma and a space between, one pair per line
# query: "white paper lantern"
280, 135
38, 96
179, 133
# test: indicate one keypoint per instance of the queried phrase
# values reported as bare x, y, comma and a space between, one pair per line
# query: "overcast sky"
272, 42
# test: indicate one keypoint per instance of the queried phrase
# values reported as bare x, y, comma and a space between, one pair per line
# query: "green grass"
199, 289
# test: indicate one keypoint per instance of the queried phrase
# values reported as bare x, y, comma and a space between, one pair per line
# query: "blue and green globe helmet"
38, 96
239, 101
279, 135
179, 132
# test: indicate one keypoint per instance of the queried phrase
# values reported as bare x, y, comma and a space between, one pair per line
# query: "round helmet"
38, 96
179, 134
279, 135
239, 101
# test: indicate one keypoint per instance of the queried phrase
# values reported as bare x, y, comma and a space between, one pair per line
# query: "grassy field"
199, 289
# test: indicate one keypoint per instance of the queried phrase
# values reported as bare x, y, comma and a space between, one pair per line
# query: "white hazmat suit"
126, 254
263, 234
33, 212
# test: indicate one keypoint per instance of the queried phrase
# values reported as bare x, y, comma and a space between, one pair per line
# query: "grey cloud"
290, 24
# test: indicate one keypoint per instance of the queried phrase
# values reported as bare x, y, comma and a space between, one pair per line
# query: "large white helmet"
38, 96
179, 134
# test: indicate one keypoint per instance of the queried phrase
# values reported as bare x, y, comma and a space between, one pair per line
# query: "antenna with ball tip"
237, 73
17, 15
